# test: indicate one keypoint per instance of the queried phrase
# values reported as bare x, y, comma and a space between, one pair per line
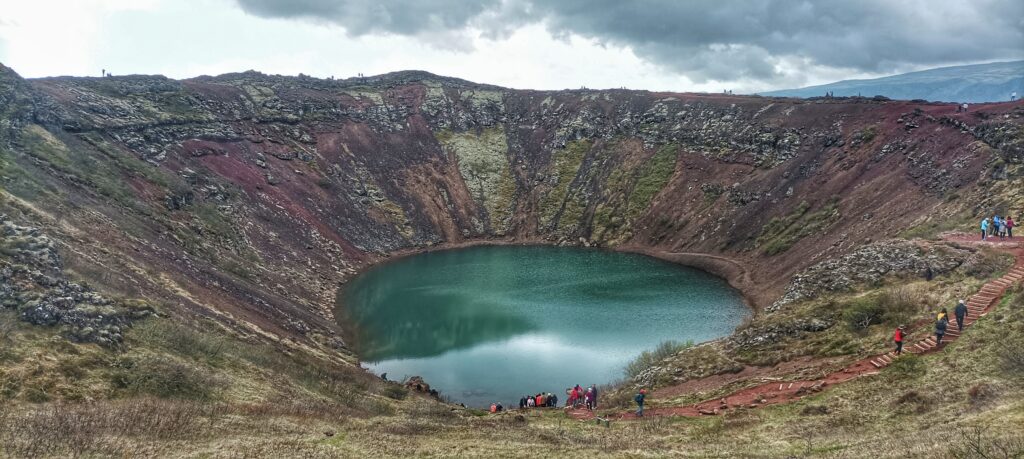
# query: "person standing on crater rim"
984, 228
1009, 226
961, 313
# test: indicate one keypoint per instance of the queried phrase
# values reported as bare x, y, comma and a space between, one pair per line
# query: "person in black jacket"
961, 313
639, 399
940, 329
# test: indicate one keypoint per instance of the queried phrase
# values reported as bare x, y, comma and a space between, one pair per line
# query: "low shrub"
814, 410
908, 366
975, 442
647, 359
894, 305
181, 340
165, 378
981, 393
395, 391
914, 402
863, 313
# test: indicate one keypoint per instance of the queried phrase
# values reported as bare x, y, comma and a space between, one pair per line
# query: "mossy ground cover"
629, 192
565, 165
484, 165
781, 233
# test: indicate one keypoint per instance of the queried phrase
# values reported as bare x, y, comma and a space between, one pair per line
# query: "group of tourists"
539, 400
997, 227
579, 397
941, 325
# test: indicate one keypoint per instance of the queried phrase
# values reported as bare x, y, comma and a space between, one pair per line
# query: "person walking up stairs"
961, 315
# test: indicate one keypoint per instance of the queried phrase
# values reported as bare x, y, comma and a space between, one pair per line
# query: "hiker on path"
960, 312
590, 399
639, 399
984, 228
593, 387
1009, 226
940, 329
522, 402
996, 224
898, 338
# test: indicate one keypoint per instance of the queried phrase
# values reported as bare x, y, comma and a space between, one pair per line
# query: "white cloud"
183, 39
48, 37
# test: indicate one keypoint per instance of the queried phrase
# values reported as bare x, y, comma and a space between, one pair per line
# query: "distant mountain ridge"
993, 82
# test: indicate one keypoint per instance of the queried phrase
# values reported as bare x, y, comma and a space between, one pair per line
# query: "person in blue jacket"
984, 228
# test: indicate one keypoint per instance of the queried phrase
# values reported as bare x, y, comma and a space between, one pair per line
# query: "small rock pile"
32, 282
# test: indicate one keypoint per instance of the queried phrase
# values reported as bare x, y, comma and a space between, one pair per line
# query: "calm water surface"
487, 324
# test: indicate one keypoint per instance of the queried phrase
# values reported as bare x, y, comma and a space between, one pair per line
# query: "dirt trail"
772, 393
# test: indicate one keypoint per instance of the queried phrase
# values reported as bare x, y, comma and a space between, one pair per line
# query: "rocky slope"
250, 198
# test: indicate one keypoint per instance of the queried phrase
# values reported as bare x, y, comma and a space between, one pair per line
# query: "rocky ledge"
33, 283
871, 263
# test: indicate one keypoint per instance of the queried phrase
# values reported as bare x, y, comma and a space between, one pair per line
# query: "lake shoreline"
731, 272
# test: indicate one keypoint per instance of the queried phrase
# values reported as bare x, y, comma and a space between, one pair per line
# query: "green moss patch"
484, 166
781, 233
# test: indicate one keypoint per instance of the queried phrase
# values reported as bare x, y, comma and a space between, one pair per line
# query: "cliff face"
250, 198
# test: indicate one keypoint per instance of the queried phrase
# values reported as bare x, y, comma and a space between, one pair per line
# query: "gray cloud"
360, 17
710, 39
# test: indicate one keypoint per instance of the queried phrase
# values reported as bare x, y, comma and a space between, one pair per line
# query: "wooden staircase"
977, 306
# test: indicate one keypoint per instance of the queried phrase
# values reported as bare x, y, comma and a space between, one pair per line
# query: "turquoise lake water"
493, 323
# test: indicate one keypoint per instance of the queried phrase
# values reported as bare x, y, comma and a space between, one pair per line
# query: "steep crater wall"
250, 198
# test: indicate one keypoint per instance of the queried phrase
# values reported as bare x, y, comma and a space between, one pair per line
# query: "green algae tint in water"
489, 324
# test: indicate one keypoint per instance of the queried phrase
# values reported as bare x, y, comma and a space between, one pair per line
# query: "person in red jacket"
898, 338
1009, 226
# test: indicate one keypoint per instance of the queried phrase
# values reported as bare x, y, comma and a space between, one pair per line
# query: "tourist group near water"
576, 397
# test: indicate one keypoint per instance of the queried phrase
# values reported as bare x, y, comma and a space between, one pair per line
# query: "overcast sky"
695, 45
